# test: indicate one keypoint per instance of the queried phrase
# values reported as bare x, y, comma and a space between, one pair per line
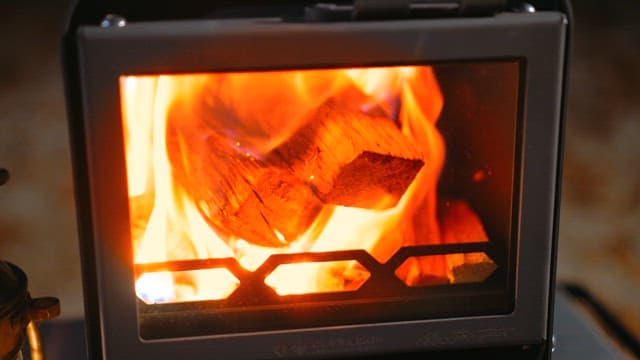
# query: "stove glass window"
265, 200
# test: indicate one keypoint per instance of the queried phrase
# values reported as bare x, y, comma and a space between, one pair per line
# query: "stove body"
501, 79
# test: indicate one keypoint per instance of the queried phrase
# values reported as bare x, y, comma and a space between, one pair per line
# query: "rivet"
524, 8
113, 20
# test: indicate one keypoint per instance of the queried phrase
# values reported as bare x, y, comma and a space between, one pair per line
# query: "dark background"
600, 217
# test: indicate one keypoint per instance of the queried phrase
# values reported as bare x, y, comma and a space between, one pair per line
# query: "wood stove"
303, 180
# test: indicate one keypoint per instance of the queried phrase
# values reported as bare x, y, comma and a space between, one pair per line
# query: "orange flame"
256, 113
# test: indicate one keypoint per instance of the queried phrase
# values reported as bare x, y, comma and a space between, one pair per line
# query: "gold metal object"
35, 341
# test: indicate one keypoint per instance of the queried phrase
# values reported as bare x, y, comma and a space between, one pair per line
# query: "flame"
329, 276
175, 230
256, 113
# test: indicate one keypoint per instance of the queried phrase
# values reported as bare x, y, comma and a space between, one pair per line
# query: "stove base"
578, 337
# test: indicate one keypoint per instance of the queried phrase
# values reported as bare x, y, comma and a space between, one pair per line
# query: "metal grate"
383, 283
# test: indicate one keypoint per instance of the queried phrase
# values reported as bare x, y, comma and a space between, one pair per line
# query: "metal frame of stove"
96, 57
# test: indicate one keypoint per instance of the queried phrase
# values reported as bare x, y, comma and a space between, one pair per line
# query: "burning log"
471, 267
352, 159
460, 224
239, 195
263, 109
342, 157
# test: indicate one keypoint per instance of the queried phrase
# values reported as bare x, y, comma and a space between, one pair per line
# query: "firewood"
240, 196
342, 157
261, 110
475, 267
352, 159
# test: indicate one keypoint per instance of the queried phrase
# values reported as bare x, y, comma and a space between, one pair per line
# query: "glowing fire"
170, 123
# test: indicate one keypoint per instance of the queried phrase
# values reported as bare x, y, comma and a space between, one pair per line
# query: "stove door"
318, 189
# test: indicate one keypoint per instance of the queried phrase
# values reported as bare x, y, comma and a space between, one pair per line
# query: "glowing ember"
248, 165
461, 268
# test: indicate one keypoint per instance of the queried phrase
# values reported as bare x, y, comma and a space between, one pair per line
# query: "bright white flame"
139, 109
157, 287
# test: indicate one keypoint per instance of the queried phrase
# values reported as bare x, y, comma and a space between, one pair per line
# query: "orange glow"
166, 287
178, 179
317, 277
461, 268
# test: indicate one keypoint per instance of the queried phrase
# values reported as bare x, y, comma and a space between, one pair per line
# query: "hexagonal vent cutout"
184, 286
317, 277
458, 268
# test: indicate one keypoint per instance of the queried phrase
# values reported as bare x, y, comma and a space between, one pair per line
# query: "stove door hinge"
402, 9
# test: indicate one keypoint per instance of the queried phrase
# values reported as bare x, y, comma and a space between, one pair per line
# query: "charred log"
239, 195
351, 158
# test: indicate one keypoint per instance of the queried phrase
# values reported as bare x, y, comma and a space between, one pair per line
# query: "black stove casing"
191, 36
